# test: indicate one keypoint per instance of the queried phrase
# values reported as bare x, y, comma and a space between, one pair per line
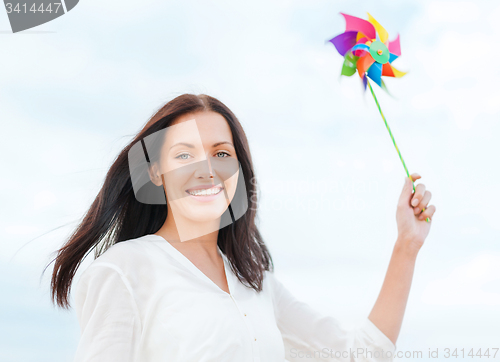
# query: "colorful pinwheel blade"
398, 73
360, 36
359, 25
349, 66
360, 46
385, 88
364, 63
362, 40
344, 41
387, 70
360, 50
395, 47
382, 33
375, 73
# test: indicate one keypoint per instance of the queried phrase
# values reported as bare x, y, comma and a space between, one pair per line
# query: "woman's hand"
412, 227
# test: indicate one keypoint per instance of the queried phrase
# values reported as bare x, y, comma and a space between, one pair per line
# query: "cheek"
176, 182
231, 184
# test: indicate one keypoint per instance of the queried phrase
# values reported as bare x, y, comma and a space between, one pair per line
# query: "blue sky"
75, 91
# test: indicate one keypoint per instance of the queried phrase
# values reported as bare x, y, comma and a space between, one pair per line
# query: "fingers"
415, 176
423, 204
420, 199
428, 213
418, 195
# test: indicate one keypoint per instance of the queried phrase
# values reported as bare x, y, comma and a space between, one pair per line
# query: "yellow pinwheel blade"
382, 33
360, 35
398, 73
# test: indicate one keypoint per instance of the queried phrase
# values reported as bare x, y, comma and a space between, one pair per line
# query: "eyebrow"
192, 146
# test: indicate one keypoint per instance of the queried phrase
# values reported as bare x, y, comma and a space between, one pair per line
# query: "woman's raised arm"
388, 312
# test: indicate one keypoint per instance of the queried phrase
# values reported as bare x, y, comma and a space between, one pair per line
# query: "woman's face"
199, 166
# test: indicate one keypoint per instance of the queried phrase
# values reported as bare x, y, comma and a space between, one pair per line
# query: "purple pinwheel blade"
344, 41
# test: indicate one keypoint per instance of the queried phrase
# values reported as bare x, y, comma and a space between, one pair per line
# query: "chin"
205, 214
204, 218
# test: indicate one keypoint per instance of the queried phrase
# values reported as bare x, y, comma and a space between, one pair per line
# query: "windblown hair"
116, 216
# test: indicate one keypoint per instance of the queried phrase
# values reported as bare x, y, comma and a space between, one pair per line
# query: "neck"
193, 236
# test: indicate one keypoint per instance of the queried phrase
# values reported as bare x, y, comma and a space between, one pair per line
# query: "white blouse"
142, 300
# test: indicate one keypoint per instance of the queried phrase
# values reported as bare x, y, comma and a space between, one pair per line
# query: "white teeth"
205, 192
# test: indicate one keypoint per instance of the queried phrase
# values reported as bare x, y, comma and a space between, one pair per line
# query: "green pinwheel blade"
349, 66
384, 87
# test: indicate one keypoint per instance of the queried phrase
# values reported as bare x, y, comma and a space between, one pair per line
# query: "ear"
155, 175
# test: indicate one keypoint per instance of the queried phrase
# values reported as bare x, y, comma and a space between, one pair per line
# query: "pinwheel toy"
366, 48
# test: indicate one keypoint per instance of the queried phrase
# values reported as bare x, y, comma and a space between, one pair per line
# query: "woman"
181, 271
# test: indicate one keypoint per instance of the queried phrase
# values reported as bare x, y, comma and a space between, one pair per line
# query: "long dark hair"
116, 215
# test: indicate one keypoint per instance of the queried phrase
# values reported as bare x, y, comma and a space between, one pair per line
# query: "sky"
76, 90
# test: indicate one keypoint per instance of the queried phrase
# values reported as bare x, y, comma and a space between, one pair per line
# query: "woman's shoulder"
277, 286
124, 255
270, 281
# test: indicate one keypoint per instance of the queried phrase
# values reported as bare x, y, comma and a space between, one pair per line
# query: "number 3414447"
43, 7
479, 353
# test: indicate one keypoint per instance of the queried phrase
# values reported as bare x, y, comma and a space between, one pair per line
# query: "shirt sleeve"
309, 335
108, 315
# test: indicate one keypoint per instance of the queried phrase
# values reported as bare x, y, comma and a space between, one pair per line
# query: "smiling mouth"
206, 192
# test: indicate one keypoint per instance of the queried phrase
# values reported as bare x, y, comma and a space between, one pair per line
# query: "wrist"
406, 248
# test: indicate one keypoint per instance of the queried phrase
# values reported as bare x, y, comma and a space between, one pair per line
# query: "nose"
205, 170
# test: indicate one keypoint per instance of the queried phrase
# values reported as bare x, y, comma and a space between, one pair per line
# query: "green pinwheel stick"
366, 49
393, 140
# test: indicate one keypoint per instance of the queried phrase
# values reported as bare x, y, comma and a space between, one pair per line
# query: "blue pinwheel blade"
375, 73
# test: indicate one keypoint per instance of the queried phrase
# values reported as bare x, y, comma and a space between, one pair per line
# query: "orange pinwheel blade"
387, 70
364, 63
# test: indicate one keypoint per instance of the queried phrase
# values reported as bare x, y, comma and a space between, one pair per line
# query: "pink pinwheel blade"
361, 46
353, 23
395, 47
360, 50
344, 41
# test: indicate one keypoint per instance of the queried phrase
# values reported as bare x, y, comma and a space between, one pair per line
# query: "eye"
180, 157
223, 153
